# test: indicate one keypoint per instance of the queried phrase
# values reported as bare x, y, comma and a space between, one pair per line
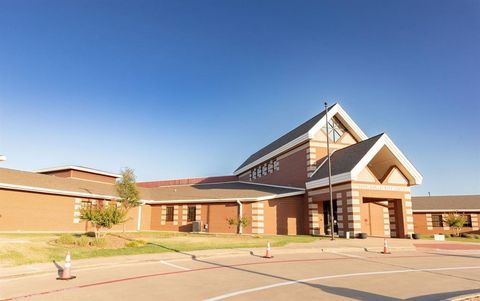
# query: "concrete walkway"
370, 244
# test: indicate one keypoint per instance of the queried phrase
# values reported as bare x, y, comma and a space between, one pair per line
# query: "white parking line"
260, 288
348, 255
175, 266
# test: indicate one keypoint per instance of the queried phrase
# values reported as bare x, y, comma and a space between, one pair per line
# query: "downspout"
139, 219
240, 214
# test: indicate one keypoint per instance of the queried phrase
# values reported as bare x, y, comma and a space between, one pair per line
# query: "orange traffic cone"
66, 270
267, 253
386, 250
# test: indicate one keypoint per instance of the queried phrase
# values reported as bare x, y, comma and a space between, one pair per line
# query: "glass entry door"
327, 217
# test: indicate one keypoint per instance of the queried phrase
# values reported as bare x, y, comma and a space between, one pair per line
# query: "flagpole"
329, 174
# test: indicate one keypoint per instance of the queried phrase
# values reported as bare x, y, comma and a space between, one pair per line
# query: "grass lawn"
27, 248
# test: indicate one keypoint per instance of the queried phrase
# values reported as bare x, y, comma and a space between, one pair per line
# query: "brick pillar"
175, 215
393, 219
353, 213
314, 228
258, 226
386, 219
311, 160
198, 212
475, 224
428, 217
163, 215
408, 214
76, 210
184, 214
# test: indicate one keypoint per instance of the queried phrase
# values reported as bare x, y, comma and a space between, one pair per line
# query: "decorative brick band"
258, 225
314, 228
175, 215
163, 215
76, 210
184, 214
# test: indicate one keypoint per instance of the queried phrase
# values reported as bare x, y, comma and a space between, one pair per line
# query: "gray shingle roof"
345, 159
449, 202
292, 135
217, 191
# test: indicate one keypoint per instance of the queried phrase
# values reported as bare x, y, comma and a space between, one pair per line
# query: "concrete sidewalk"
370, 244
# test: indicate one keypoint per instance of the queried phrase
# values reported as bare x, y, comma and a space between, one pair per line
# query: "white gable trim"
336, 109
348, 123
415, 177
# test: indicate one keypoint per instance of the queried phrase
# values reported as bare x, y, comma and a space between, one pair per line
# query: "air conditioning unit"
197, 226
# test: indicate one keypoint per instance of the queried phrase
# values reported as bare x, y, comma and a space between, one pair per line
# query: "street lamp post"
329, 174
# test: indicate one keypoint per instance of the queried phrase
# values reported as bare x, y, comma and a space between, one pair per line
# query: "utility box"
197, 226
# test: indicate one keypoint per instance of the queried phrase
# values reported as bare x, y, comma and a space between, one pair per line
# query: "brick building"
281, 189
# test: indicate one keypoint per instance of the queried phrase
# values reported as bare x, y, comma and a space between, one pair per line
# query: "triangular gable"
302, 133
366, 176
352, 160
414, 177
395, 176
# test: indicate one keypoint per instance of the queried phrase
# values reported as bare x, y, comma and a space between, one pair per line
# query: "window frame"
191, 214
436, 223
468, 221
169, 215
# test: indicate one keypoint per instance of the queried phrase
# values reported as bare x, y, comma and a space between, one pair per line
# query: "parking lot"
425, 274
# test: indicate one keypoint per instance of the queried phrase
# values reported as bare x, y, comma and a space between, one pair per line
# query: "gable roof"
298, 135
347, 163
446, 203
12, 179
345, 159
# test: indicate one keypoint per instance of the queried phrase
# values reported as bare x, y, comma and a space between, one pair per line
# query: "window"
335, 129
270, 167
437, 220
170, 214
468, 221
86, 204
192, 214
264, 169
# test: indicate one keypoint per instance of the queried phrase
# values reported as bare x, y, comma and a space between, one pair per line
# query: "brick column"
198, 212
163, 215
386, 219
175, 215
184, 214
76, 210
257, 218
353, 212
392, 218
311, 160
314, 228
475, 224
408, 214
428, 217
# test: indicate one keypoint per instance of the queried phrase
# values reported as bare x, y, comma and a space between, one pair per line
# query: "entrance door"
372, 219
327, 217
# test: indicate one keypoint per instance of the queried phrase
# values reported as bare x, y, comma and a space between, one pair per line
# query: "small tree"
103, 216
127, 191
456, 222
239, 223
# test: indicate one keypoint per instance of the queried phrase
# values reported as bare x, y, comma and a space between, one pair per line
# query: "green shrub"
99, 242
466, 235
476, 236
136, 243
90, 234
447, 235
66, 239
82, 241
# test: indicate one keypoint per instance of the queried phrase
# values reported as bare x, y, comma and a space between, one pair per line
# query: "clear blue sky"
191, 88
